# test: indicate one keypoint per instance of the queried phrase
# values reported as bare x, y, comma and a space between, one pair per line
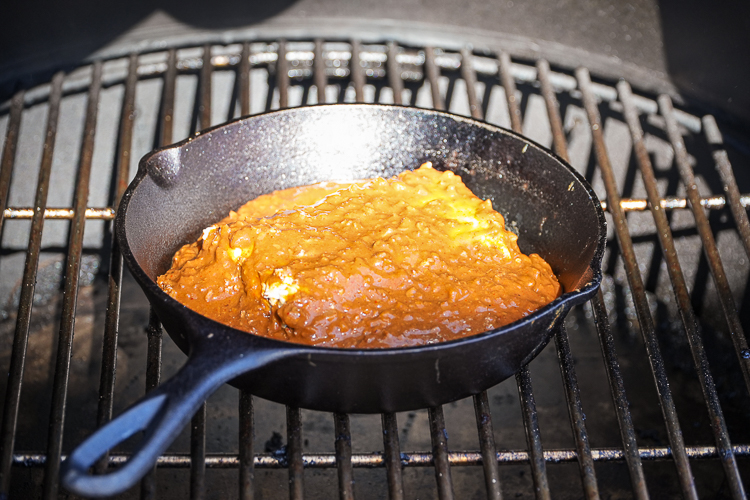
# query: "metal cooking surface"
637, 343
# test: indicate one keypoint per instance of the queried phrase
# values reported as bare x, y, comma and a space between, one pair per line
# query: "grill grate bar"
282, 75
247, 436
392, 456
21, 338
344, 456
243, 78
166, 123
724, 167
432, 74
198, 422
509, 85
391, 445
487, 445
553, 110
293, 415
439, 437
343, 439
204, 109
620, 400
154, 332
717, 202
319, 71
246, 417
70, 293
377, 460
718, 425
198, 454
393, 68
575, 411
154, 340
606, 340
9, 151
294, 453
357, 72
6, 170
114, 291
570, 382
469, 74
533, 435
127, 121
638, 290
677, 203
523, 378
506, 79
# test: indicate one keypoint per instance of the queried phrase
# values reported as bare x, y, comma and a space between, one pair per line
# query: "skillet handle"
162, 414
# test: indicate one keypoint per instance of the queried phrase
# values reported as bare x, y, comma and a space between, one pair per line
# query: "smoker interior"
585, 416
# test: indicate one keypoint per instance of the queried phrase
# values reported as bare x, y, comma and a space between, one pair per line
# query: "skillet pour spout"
181, 189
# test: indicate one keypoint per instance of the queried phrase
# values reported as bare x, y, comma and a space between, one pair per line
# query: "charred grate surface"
652, 396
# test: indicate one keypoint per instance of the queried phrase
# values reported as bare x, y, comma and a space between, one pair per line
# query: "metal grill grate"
645, 158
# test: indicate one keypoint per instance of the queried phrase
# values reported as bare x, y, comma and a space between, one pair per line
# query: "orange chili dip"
415, 259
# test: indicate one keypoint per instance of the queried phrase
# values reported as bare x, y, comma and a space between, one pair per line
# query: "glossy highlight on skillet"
411, 260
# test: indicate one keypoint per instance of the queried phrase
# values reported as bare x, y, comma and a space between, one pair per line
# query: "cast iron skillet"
181, 189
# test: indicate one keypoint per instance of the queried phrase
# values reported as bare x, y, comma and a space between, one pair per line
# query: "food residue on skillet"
411, 260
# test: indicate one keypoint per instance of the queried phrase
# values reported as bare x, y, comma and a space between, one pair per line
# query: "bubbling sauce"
412, 260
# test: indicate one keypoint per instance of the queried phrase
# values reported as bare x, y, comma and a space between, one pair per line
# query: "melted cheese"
415, 259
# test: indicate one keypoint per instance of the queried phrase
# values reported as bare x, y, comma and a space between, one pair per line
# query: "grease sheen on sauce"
412, 260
